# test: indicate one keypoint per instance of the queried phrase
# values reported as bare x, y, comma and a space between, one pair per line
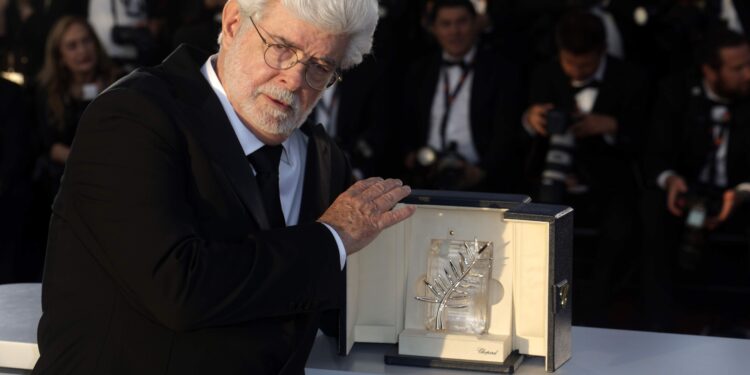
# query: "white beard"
268, 119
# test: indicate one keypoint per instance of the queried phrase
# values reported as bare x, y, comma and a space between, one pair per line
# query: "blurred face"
78, 50
455, 30
270, 102
579, 67
733, 78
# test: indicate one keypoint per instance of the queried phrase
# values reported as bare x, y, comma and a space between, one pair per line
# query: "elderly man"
197, 231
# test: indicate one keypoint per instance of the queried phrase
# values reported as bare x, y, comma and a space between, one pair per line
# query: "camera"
559, 159
558, 121
440, 170
700, 202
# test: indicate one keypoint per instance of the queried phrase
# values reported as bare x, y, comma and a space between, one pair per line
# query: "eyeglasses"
283, 57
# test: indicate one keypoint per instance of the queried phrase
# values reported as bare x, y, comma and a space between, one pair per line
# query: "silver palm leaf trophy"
457, 283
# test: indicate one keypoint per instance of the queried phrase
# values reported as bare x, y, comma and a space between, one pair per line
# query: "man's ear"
709, 73
231, 19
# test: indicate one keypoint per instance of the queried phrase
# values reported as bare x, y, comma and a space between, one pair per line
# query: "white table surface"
596, 351
20, 310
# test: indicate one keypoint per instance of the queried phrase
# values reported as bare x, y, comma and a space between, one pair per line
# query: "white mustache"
277, 93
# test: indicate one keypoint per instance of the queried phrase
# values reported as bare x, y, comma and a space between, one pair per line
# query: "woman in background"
75, 70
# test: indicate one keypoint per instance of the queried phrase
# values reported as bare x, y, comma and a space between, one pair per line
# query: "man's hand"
361, 212
59, 153
728, 203
675, 186
536, 116
594, 124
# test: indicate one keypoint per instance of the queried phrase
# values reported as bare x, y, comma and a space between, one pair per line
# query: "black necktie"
265, 160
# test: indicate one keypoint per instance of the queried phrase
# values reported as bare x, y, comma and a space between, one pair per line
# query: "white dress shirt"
458, 129
586, 98
293, 157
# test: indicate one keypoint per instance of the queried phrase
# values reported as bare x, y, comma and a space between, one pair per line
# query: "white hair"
354, 18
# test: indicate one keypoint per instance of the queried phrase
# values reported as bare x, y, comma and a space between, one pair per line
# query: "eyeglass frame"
336, 77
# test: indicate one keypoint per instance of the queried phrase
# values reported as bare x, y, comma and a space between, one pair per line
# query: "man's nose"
294, 77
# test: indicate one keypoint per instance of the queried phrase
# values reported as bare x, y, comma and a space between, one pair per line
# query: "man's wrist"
339, 245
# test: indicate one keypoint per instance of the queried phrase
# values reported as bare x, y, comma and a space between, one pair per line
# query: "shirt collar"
468, 57
249, 142
712, 95
598, 75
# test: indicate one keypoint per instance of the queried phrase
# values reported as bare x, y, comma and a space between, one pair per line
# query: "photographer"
698, 161
128, 30
460, 122
584, 116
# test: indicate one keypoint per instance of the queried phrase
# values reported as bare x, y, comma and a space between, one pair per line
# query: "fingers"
672, 206
379, 188
672, 202
540, 126
394, 216
364, 210
675, 186
362, 185
726, 208
538, 117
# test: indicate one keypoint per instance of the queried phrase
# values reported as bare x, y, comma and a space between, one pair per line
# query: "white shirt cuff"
745, 186
663, 176
340, 244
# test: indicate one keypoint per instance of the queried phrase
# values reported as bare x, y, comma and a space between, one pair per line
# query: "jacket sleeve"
125, 197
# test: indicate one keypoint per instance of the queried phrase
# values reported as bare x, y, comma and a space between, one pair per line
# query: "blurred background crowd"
634, 112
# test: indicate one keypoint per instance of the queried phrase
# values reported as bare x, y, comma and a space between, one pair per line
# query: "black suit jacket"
159, 259
622, 95
680, 135
494, 112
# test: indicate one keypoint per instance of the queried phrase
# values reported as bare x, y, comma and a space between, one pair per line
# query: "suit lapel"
482, 83
604, 97
739, 136
317, 185
427, 93
213, 129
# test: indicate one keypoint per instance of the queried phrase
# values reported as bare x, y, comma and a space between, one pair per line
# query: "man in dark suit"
461, 109
697, 165
173, 251
584, 116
